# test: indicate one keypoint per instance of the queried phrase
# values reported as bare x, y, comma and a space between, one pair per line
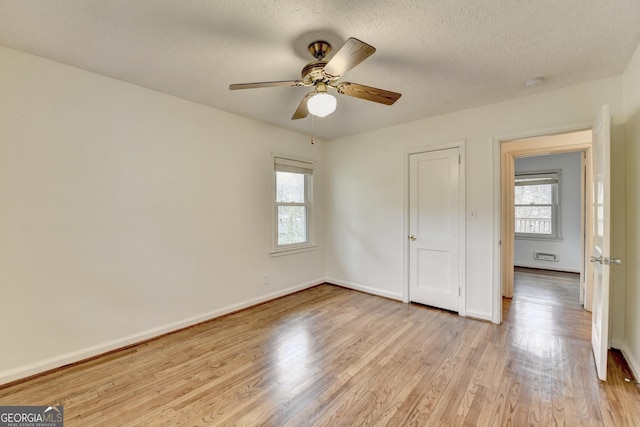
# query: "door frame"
503, 229
462, 235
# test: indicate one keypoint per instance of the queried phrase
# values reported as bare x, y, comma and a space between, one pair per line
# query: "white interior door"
434, 271
600, 252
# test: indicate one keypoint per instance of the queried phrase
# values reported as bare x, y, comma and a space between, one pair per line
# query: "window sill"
293, 250
540, 238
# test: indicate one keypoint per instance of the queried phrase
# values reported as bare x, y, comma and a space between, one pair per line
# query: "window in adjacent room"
292, 203
536, 205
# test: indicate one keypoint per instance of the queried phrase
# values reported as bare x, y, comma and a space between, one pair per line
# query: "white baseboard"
365, 289
479, 316
86, 353
396, 296
550, 267
614, 343
633, 362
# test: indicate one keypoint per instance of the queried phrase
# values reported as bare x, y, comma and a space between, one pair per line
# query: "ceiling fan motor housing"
312, 72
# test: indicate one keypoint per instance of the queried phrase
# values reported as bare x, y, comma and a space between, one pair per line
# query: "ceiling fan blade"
302, 110
369, 93
352, 52
282, 83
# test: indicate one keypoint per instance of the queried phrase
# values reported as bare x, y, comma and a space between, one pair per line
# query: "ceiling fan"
323, 74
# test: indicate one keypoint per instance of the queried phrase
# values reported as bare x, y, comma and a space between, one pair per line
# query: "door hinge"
458, 291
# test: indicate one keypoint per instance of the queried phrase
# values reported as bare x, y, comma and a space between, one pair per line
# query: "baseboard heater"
545, 256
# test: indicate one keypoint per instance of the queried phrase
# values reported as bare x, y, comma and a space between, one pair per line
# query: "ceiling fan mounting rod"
321, 87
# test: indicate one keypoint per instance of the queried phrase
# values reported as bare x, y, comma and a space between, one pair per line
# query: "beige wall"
631, 82
125, 213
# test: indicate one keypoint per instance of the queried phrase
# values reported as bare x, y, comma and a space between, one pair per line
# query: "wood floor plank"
329, 356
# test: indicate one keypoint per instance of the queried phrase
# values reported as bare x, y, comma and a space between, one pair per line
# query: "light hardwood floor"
329, 356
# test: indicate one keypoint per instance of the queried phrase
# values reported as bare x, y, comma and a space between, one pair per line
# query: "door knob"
596, 259
615, 261
412, 237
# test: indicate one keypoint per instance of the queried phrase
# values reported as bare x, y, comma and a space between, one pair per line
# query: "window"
292, 203
536, 205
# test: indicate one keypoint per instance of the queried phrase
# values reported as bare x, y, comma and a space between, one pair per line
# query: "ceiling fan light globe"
322, 104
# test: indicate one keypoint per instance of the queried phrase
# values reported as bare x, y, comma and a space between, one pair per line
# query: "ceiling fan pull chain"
313, 141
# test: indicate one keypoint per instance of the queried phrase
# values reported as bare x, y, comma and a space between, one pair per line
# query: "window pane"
289, 187
534, 219
292, 224
534, 194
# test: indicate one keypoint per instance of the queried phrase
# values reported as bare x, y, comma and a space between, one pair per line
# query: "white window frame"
283, 163
539, 178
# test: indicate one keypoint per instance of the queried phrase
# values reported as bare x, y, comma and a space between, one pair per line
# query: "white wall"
366, 204
125, 213
568, 248
119, 219
631, 343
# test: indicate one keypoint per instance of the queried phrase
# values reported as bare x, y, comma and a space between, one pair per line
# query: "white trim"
539, 237
365, 289
96, 350
496, 310
478, 315
554, 268
613, 343
462, 235
283, 163
293, 250
633, 363
496, 297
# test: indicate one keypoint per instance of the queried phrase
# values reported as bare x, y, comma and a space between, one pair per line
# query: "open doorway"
544, 187
596, 145
549, 221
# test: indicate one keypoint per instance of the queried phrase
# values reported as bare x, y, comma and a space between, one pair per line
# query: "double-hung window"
536, 205
292, 203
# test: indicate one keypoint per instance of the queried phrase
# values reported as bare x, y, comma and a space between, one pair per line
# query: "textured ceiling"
443, 56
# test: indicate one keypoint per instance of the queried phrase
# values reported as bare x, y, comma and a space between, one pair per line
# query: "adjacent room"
188, 238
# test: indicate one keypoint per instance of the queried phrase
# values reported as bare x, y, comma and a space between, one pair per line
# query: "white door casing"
434, 228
